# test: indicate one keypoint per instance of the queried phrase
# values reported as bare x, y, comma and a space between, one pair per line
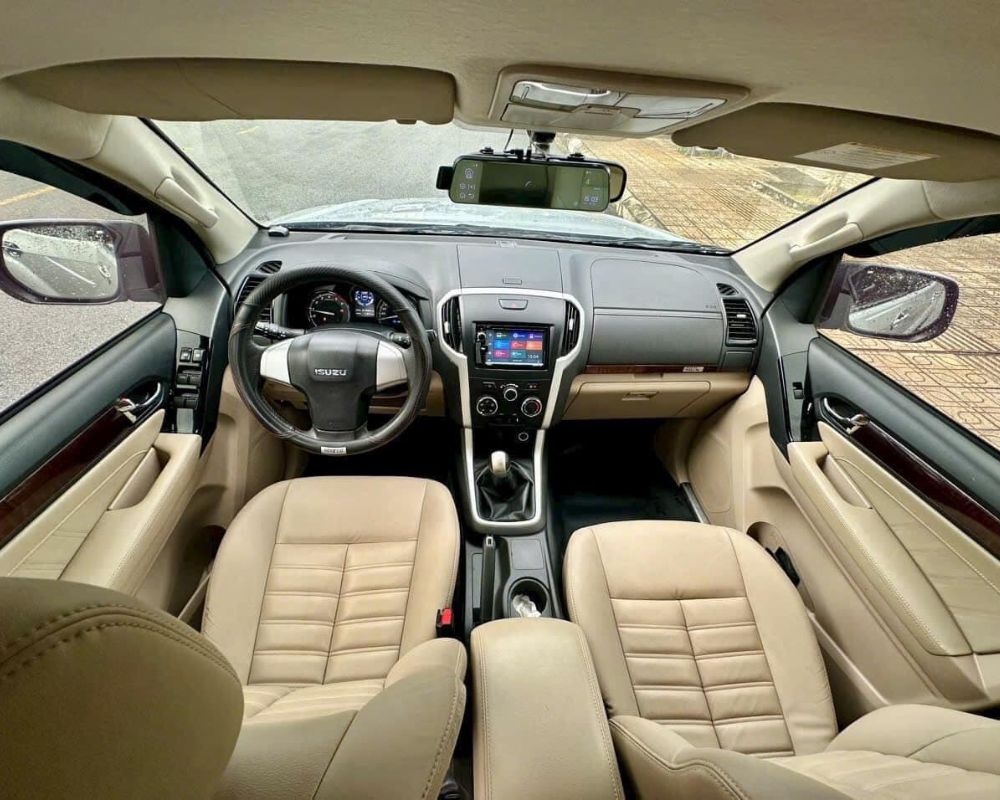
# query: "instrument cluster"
339, 303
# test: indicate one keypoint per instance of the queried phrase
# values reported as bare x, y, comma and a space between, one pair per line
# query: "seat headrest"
101, 696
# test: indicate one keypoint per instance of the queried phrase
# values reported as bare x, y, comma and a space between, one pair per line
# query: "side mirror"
56, 261
889, 302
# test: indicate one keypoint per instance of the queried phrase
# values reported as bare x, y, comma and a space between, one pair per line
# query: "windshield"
351, 174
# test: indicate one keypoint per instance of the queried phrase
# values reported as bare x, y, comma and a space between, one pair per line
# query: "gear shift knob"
499, 463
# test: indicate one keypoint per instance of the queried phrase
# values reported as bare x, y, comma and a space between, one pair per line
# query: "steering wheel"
338, 369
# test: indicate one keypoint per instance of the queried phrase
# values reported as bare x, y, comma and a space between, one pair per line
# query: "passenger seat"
716, 687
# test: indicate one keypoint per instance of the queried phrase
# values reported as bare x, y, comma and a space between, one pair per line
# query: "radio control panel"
509, 402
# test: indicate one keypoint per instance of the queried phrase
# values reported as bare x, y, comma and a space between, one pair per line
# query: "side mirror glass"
889, 302
77, 262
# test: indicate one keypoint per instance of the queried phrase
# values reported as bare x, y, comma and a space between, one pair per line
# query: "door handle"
133, 409
851, 423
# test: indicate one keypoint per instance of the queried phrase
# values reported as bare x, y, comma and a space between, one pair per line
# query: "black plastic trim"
30, 436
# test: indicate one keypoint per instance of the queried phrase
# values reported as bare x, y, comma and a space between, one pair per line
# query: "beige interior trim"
873, 210
708, 43
241, 459
109, 527
868, 547
125, 149
120, 550
744, 482
540, 728
907, 149
49, 543
227, 88
963, 575
652, 396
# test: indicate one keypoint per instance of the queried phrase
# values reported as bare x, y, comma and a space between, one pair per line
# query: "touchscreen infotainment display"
513, 347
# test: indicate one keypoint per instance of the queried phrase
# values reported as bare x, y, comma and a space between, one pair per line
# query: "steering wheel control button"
487, 406
509, 392
531, 407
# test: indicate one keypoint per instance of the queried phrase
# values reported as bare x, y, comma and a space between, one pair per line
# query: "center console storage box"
540, 728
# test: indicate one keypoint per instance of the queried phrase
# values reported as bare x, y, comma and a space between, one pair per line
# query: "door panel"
91, 488
744, 481
49, 542
57, 414
120, 549
965, 577
901, 497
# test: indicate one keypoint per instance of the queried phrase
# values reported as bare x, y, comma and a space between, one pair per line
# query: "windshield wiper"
680, 245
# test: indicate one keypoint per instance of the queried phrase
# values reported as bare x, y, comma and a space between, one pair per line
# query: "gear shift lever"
499, 464
504, 489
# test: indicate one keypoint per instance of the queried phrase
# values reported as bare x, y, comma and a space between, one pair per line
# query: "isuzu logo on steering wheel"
323, 372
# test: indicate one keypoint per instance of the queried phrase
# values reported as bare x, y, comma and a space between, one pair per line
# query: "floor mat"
606, 472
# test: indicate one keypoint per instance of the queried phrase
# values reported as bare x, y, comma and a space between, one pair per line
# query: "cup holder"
533, 589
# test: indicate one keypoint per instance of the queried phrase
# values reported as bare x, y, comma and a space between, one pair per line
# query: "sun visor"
850, 140
206, 89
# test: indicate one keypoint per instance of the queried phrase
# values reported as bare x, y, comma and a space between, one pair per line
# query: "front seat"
324, 598
716, 688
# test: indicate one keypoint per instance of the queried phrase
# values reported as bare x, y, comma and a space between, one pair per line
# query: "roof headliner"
904, 58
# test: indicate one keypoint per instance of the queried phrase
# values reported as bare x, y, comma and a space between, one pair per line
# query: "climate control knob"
487, 406
531, 407
509, 392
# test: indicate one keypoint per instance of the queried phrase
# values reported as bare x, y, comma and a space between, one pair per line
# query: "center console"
511, 350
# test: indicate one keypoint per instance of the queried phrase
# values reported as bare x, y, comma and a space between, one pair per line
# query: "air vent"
249, 284
741, 328
726, 290
451, 324
571, 333
269, 267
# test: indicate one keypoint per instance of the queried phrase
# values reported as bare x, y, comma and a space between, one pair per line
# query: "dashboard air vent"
269, 267
451, 324
725, 289
249, 284
571, 333
741, 328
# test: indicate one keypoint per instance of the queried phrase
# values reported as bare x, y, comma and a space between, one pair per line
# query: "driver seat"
324, 598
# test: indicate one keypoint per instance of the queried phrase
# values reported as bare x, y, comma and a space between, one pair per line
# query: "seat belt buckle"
445, 625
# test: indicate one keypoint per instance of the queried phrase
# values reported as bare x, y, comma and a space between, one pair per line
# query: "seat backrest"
101, 696
330, 579
697, 628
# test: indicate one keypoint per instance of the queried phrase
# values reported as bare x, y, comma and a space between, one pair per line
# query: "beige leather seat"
101, 696
716, 688
324, 598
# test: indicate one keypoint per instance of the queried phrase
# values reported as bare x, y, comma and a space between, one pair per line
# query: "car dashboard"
594, 332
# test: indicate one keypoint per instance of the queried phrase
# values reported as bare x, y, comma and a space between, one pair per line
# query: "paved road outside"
706, 196
40, 341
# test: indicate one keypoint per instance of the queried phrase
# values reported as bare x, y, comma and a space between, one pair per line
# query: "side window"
75, 269
956, 368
